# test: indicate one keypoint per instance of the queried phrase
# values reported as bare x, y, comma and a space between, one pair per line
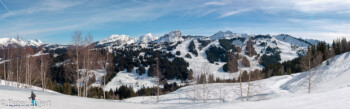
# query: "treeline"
192, 48
58, 69
26, 64
243, 77
170, 66
124, 91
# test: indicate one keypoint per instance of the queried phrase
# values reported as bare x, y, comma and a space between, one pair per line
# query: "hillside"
284, 47
324, 77
285, 92
194, 55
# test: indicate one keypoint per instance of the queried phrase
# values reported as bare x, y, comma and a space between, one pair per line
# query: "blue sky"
54, 21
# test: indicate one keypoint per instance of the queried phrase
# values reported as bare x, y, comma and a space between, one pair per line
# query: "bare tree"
232, 66
221, 95
22, 54
194, 90
205, 89
104, 65
251, 52
9, 65
240, 84
87, 62
27, 69
28, 65
9, 69
77, 40
17, 59
44, 64
202, 80
306, 65
4, 58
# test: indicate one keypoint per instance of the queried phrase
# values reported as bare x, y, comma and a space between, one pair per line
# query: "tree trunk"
240, 84
84, 74
104, 80
88, 73
5, 66
20, 70
309, 89
77, 65
42, 72
17, 69
248, 91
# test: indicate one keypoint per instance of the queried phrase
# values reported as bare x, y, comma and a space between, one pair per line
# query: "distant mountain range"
19, 42
176, 36
171, 37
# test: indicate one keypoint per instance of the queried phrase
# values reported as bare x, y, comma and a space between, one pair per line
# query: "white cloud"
215, 3
230, 13
322, 5
88, 14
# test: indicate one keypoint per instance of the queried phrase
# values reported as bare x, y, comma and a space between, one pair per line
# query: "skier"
32, 96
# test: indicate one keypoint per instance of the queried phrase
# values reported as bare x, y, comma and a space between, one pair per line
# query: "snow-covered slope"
12, 96
200, 64
146, 39
293, 40
329, 83
312, 41
288, 48
131, 79
330, 90
334, 99
173, 36
116, 39
323, 77
35, 42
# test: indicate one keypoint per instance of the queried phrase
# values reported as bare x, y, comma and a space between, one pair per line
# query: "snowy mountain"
293, 40
13, 41
197, 51
116, 39
35, 42
330, 87
312, 41
227, 35
328, 81
173, 36
285, 47
146, 39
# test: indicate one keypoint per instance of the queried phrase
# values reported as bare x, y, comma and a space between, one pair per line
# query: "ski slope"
130, 79
330, 91
324, 77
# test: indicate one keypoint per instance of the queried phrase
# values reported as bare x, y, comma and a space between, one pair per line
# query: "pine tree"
289, 71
